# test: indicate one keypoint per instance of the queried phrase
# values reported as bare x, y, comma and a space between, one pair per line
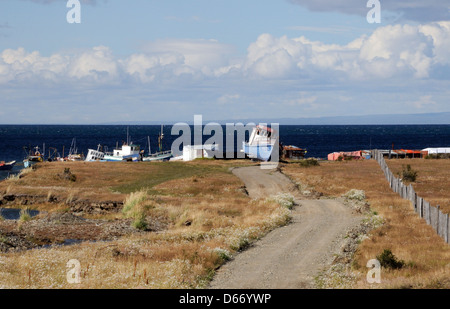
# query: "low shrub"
388, 260
408, 174
309, 162
24, 215
284, 200
134, 208
355, 194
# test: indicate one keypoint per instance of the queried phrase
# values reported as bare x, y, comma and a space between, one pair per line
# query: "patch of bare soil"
65, 228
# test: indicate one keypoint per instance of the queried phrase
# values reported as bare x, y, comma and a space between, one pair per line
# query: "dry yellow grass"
410, 239
209, 216
433, 179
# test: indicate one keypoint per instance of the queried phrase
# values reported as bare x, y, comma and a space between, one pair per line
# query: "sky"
154, 60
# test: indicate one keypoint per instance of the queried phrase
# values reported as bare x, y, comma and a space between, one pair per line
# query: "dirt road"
289, 257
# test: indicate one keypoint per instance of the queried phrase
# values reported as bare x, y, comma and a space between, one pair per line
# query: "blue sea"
319, 140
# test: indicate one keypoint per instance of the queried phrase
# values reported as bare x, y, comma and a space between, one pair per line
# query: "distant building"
192, 152
429, 151
353, 155
292, 152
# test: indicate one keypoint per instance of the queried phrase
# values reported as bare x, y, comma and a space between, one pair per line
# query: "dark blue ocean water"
318, 140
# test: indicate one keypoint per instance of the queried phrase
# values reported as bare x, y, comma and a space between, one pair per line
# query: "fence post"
433, 216
448, 229
438, 211
426, 210
443, 226
420, 206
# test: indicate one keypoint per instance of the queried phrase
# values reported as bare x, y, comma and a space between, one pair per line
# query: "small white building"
442, 150
192, 152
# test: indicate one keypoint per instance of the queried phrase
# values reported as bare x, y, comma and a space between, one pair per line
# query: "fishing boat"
35, 155
6, 166
32, 156
73, 152
95, 155
128, 152
261, 143
160, 155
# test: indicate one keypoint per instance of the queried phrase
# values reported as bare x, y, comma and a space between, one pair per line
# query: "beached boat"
7, 166
160, 155
73, 152
33, 155
128, 152
95, 155
261, 143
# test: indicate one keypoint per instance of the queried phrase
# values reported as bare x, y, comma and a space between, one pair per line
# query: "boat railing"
160, 153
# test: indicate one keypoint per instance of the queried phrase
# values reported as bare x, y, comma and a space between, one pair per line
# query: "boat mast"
149, 151
161, 135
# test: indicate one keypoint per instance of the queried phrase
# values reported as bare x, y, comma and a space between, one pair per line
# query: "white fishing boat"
160, 155
95, 155
73, 152
128, 152
261, 143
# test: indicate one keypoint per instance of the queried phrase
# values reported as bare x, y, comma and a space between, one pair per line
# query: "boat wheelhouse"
95, 155
127, 152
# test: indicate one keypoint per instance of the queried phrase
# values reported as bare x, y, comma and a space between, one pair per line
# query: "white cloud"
400, 51
97, 63
204, 56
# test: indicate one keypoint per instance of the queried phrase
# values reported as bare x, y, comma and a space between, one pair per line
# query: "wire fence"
433, 215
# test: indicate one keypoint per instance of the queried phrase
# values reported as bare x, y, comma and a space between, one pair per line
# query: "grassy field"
426, 256
433, 179
208, 218
208, 215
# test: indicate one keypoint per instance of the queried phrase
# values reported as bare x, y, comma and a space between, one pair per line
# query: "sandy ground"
289, 257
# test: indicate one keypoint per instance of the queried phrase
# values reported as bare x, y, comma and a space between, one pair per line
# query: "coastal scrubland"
186, 220
423, 255
433, 179
175, 223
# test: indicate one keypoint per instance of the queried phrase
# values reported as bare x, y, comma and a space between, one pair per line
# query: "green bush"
134, 207
388, 260
408, 174
140, 222
309, 162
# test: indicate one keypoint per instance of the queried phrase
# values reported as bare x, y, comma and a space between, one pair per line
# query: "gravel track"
289, 257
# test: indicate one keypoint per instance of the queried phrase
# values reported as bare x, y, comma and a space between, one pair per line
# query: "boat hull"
258, 152
158, 157
133, 158
7, 166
